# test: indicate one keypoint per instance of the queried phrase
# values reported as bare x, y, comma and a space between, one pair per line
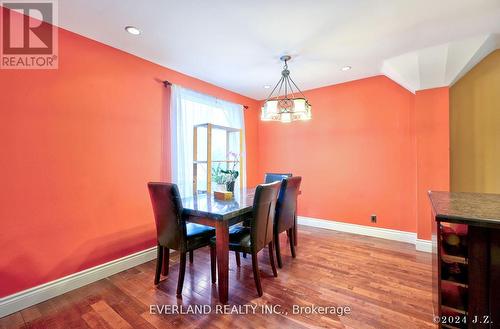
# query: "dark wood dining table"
205, 209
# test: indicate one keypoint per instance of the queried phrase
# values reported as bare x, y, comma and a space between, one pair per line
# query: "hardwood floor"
386, 284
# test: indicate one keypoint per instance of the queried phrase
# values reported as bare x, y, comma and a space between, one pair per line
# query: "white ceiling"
440, 65
236, 44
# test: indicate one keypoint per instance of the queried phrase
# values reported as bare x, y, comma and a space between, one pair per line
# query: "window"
187, 109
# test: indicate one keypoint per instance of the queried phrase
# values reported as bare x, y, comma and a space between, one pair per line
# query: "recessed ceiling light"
267, 86
132, 30
346, 68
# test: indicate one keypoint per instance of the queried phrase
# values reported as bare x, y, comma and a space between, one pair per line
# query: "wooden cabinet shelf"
205, 154
466, 259
455, 259
453, 309
454, 296
455, 283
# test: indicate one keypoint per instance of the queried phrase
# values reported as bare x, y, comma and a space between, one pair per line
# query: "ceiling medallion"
286, 108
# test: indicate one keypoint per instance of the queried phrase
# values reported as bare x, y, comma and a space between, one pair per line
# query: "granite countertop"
204, 205
480, 209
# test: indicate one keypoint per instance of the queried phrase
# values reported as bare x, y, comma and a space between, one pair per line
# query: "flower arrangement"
227, 177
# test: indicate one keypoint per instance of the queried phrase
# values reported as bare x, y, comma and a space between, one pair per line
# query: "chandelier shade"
287, 107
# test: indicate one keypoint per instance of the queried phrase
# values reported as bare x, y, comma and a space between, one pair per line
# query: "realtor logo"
29, 35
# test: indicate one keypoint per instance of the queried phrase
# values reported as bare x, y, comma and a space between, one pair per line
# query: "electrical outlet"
374, 218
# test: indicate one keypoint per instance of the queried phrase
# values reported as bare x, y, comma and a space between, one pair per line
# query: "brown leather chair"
260, 233
286, 209
270, 178
173, 232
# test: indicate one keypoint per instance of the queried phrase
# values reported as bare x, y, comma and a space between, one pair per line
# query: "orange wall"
79, 145
356, 155
371, 147
433, 149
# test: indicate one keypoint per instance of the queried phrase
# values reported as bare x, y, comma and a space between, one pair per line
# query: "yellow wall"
475, 128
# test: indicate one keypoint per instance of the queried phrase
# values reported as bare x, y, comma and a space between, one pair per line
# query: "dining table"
206, 210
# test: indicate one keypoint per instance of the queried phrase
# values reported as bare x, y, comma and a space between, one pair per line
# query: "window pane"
218, 144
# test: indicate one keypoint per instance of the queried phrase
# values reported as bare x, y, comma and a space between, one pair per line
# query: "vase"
230, 186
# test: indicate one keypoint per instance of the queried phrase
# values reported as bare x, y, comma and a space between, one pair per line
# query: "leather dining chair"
260, 233
173, 232
268, 178
275, 177
286, 209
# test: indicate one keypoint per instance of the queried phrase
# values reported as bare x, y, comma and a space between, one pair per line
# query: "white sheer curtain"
187, 109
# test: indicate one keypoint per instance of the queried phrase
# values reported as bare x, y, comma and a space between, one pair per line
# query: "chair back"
275, 177
167, 208
264, 209
286, 206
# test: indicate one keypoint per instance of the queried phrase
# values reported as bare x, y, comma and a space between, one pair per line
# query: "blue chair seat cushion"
239, 238
198, 235
193, 229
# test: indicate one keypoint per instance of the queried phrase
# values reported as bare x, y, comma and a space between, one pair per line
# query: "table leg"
222, 246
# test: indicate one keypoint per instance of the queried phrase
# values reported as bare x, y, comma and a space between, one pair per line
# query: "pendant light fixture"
291, 106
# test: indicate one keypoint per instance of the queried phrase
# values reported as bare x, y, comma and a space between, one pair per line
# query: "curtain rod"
167, 83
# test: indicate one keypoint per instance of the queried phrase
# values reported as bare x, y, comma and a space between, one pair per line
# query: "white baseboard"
38, 294
423, 245
377, 232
